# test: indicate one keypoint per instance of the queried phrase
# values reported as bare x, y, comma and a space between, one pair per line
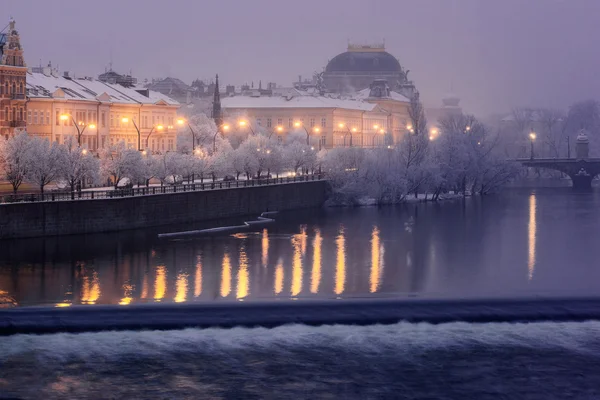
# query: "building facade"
12, 82
329, 122
99, 113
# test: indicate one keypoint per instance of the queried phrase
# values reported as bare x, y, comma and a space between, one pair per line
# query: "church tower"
13, 73
216, 111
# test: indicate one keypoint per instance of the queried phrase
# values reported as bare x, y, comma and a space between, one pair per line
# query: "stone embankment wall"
19, 220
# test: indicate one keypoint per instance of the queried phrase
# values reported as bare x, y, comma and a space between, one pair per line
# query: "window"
103, 119
118, 121
1, 114
323, 140
323, 122
89, 117
279, 121
29, 117
258, 122
35, 117
112, 121
70, 120
312, 122
153, 120
268, 122
57, 117
170, 144
48, 118
290, 122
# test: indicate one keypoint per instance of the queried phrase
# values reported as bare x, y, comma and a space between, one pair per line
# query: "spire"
216, 111
260, 84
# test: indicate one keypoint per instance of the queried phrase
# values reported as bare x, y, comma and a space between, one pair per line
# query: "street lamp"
125, 120
532, 137
315, 129
350, 131
243, 123
79, 126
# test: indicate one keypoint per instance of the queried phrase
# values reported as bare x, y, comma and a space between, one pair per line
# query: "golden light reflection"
160, 283
340, 263
198, 278
63, 305
226, 276
532, 231
243, 280
127, 291
181, 288
376, 260
265, 248
303, 239
297, 265
315, 278
90, 291
145, 287
279, 277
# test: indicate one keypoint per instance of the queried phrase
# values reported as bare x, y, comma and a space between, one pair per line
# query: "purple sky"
495, 53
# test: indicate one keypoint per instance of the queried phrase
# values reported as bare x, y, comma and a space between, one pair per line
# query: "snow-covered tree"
203, 128
46, 164
299, 155
15, 159
118, 162
77, 164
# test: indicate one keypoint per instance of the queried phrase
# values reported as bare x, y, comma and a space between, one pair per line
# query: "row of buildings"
97, 112
362, 98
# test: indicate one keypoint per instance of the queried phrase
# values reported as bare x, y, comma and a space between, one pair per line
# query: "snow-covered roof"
245, 102
49, 86
366, 93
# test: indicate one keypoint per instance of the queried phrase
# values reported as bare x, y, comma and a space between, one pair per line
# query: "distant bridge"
581, 171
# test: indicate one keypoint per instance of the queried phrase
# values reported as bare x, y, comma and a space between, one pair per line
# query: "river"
523, 242
519, 243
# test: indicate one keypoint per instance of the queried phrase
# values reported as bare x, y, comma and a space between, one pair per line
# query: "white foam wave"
404, 338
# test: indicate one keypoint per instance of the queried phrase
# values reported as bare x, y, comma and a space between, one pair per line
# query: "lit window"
35, 117
29, 116
323, 122
312, 122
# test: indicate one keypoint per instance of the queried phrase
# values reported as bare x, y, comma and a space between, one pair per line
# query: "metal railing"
151, 190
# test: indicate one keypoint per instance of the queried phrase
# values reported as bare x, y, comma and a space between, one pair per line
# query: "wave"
453, 360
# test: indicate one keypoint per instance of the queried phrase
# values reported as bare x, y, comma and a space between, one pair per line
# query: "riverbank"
71, 217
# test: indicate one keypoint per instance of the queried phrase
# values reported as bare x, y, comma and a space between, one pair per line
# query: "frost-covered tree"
299, 156
199, 127
168, 167
47, 162
77, 164
15, 159
118, 162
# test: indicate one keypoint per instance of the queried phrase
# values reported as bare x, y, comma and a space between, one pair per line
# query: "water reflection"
226, 276
451, 247
243, 282
90, 289
340, 262
532, 232
198, 277
315, 278
181, 288
376, 260
297, 263
265, 247
127, 294
160, 283
279, 277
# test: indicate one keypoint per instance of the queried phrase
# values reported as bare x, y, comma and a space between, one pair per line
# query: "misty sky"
495, 53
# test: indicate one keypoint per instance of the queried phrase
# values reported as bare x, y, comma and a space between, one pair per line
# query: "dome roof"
364, 61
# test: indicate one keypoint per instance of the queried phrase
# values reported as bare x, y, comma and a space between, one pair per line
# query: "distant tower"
216, 111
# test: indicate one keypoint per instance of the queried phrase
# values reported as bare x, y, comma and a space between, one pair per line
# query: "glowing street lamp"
125, 120
243, 124
79, 126
532, 137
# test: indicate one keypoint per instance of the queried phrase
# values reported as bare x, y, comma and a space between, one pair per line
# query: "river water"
524, 242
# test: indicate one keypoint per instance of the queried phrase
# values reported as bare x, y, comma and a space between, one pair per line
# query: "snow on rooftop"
245, 102
44, 86
365, 94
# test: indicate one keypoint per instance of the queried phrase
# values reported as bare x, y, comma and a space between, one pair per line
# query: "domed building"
360, 65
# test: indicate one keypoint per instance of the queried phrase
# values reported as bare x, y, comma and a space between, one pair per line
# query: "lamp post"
158, 128
532, 137
125, 120
225, 127
568, 146
350, 131
80, 126
278, 128
315, 129
181, 121
243, 123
